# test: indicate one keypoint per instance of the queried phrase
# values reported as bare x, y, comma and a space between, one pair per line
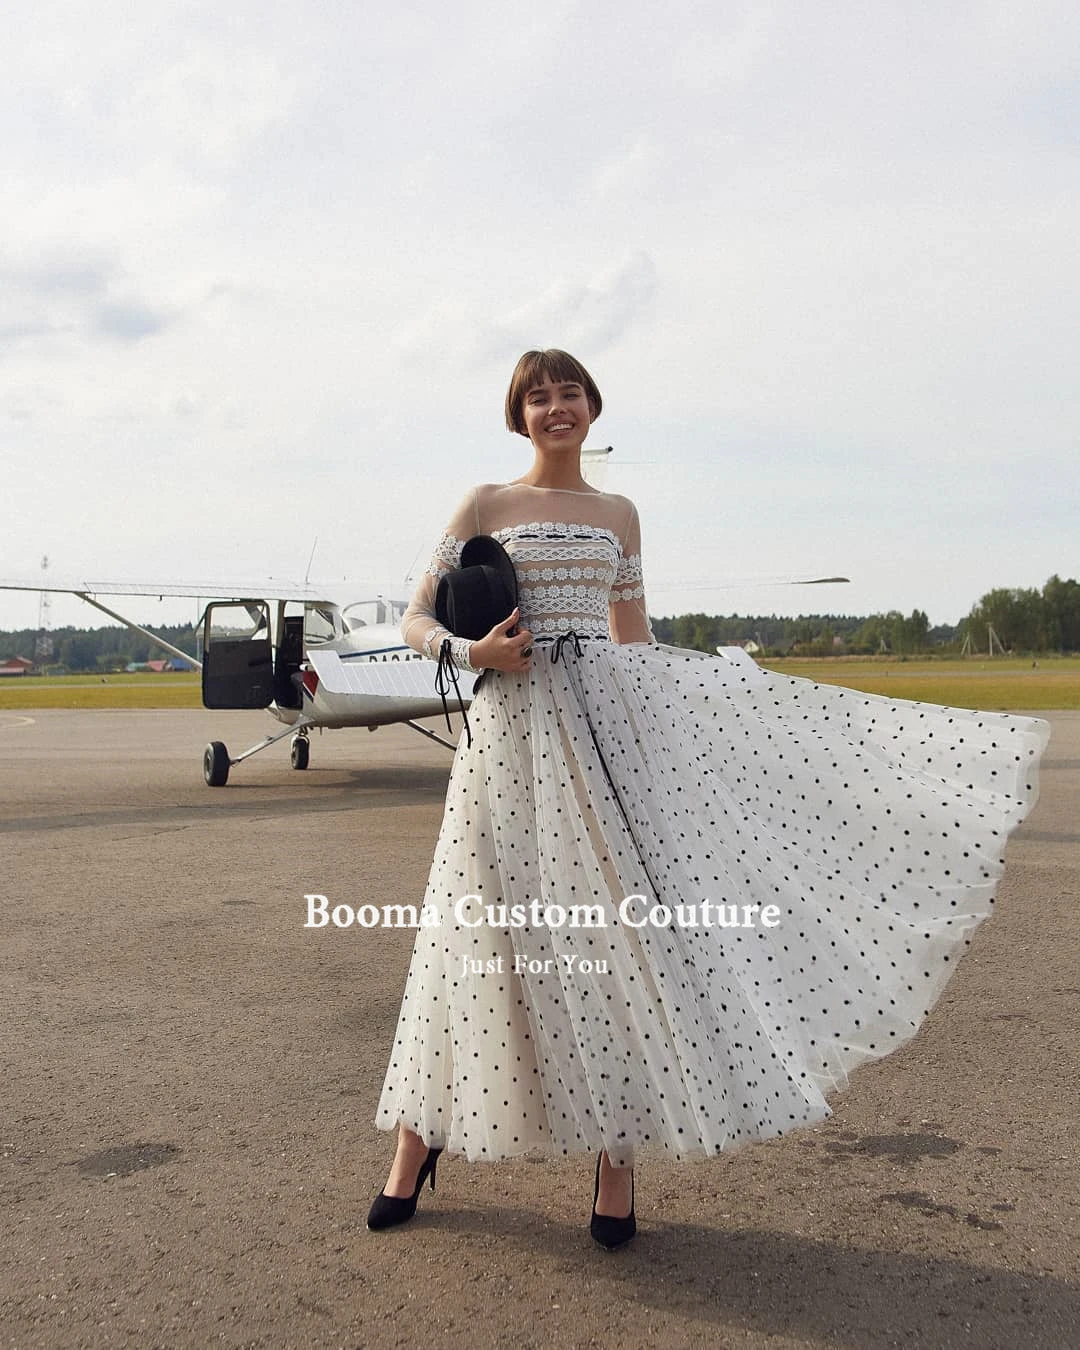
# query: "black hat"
471, 600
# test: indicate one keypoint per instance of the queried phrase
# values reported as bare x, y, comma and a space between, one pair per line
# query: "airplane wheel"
300, 752
215, 764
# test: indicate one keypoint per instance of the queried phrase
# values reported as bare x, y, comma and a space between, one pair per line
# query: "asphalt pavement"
188, 1082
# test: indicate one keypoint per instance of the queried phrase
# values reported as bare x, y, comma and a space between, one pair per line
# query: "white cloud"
627, 174
265, 265
588, 315
210, 103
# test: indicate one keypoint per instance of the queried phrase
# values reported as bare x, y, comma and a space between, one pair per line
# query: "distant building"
16, 665
747, 645
158, 666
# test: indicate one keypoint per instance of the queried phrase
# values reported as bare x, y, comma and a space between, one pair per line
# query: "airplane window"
318, 625
236, 621
361, 614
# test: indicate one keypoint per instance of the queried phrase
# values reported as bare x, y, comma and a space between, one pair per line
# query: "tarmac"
189, 1076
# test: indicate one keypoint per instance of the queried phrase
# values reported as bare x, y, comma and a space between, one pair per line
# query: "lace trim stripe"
552, 627
582, 597
554, 529
460, 651
525, 552
446, 556
629, 571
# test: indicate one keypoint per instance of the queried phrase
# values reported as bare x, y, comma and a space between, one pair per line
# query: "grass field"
27, 692
993, 685
997, 684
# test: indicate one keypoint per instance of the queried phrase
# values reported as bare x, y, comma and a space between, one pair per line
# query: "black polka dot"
875, 827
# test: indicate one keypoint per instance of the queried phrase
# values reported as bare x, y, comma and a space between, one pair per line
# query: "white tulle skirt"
676, 900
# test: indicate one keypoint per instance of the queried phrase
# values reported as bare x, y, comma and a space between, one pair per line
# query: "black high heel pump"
387, 1211
610, 1232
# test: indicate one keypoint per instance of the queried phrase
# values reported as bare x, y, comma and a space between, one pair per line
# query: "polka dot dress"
633, 791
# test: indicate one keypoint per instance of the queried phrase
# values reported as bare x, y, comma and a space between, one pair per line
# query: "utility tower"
992, 641
43, 646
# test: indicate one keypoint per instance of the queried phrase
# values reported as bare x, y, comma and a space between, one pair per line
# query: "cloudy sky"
265, 269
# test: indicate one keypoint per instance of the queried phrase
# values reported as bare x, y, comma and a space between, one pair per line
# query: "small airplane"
313, 657
305, 655
308, 657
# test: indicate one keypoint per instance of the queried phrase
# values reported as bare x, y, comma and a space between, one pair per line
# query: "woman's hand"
499, 651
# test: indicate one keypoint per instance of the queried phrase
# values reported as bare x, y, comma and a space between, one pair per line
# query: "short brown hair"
555, 365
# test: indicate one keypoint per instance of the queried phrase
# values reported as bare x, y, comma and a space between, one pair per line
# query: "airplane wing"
268, 588
416, 679
226, 593
375, 693
339, 592
378, 679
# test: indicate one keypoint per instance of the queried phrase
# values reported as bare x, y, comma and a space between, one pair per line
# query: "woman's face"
557, 415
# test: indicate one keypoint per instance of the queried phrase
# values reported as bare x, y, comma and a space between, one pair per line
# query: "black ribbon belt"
446, 673
446, 679
561, 641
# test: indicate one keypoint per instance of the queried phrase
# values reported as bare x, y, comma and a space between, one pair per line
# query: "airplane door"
238, 656
290, 657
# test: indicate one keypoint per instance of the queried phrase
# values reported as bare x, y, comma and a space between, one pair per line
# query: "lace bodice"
577, 557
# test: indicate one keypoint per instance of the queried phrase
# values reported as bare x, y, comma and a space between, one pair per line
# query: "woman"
678, 900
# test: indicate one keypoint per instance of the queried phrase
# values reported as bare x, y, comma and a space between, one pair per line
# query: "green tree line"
96, 649
1027, 621
806, 634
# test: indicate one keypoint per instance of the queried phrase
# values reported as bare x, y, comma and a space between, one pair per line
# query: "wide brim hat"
471, 600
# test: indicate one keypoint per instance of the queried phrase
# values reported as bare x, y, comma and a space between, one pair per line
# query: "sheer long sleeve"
628, 616
419, 626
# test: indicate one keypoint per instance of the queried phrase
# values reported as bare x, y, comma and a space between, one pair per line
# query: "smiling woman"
537, 376
857, 841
